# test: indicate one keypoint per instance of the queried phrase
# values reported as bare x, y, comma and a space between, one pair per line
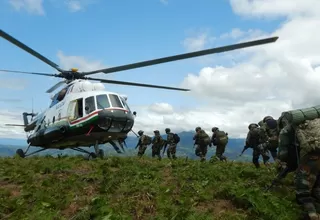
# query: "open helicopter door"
75, 109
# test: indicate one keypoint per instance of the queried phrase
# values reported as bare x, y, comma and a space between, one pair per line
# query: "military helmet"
214, 129
156, 132
260, 123
267, 118
198, 128
252, 125
140, 132
167, 130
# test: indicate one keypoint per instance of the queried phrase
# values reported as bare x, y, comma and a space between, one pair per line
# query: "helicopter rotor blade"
29, 50
184, 56
57, 85
136, 84
32, 73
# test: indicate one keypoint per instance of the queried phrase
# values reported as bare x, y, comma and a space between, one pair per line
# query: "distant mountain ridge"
185, 148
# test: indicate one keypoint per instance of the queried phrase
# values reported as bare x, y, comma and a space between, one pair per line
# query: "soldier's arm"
284, 143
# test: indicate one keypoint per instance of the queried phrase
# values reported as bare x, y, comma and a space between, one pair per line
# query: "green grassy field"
132, 188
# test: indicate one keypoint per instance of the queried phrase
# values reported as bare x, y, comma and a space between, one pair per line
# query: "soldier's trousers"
220, 150
142, 149
307, 183
256, 154
172, 151
201, 151
156, 151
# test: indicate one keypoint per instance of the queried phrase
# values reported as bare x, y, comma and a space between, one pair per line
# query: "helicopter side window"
90, 105
115, 101
80, 107
103, 102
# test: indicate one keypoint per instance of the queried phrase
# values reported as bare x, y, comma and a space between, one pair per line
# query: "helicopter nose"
115, 120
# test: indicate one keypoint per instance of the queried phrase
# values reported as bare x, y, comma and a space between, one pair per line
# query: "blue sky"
114, 33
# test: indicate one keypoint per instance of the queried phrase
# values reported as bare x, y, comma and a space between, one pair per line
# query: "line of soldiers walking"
201, 143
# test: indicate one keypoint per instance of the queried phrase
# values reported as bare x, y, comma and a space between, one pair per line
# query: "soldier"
254, 138
202, 140
299, 151
143, 143
271, 128
220, 140
158, 143
172, 144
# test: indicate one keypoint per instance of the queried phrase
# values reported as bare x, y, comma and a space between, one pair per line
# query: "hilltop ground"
132, 188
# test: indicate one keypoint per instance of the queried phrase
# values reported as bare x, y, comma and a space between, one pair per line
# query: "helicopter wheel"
101, 153
20, 153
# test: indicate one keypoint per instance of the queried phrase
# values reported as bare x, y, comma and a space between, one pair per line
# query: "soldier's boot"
174, 156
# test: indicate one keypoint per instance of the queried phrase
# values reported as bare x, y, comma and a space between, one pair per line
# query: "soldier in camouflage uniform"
271, 128
172, 146
300, 152
141, 143
219, 139
202, 141
157, 144
255, 137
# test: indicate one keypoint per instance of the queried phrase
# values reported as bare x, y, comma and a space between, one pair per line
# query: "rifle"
244, 149
280, 176
165, 146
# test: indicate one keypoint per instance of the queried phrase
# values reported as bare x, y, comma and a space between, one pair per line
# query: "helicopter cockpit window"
115, 101
125, 103
102, 102
89, 105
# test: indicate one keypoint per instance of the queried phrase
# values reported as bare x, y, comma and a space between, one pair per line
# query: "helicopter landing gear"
98, 151
24, 154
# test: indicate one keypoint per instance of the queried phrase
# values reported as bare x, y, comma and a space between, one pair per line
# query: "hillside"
131, 188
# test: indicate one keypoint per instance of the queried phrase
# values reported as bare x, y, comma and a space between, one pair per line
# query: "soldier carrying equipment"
255, 137
171, 141
143, 143
299, 148
157, 144
203, 140
220, 140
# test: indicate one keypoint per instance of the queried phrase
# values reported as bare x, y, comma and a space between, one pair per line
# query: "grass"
132, 188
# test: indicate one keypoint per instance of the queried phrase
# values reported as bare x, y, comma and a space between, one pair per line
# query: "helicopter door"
75, 109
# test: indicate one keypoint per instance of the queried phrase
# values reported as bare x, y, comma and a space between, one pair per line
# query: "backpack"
147, 140
204, 138
221, 138
254, 139
308, 136
176, 138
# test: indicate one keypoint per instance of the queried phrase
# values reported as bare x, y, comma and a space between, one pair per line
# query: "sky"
228, 90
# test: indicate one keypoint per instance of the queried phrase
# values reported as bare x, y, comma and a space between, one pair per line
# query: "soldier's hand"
281, 166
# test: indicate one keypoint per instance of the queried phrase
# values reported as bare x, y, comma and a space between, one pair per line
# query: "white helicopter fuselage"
80, 115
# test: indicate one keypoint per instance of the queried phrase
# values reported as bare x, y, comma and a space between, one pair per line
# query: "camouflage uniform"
202, 140
219, 139
141, 143
172, 146
271, 129
255, 137
306, 165
157, 144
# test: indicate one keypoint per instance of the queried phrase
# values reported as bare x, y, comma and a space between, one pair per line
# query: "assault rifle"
164, 147
244, 149
280, 176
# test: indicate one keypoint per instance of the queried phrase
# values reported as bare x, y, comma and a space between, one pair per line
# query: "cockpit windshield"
103, 101
125, 103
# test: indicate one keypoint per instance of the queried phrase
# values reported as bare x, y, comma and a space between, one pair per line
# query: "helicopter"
84, 114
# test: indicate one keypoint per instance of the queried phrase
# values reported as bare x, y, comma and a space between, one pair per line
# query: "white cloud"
31, 6
78, 5
273, 78
195, 43
9, 117
13, 83
161, 108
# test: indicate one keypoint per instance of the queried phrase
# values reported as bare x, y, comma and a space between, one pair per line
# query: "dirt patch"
14, 189
71, 210
216, 206
168, 179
